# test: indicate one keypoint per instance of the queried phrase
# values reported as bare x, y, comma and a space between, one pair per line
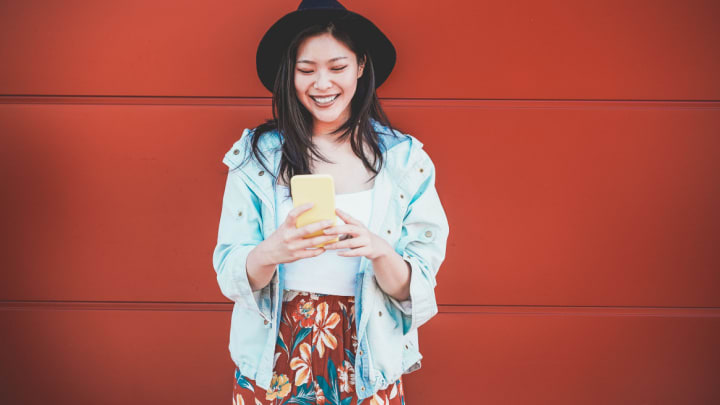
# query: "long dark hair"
294, 122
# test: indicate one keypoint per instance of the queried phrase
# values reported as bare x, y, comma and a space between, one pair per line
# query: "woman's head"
324, 59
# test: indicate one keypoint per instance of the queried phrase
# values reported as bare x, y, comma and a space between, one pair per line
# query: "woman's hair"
295, 122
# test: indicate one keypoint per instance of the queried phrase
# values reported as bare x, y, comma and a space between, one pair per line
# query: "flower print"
378, 400
353, 337
319, 394
346, 375
279, 387
394, 391
302, 365
303, 313
323, 324
238, 399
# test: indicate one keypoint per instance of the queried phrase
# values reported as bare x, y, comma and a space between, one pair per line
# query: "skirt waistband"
289, 295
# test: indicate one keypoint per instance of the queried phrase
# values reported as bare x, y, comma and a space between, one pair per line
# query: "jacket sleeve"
422, 243
240, 230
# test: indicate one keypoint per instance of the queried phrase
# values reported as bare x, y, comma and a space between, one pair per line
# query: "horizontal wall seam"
527, 310
387, 102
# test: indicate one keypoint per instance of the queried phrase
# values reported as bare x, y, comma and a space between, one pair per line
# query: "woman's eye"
337, 69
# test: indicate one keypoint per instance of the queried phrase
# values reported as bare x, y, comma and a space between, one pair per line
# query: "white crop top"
326, 273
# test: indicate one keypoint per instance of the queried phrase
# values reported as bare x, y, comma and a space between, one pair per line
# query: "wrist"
259, 272
384, 250
263, 257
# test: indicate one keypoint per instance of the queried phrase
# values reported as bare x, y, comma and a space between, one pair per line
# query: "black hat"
311, 12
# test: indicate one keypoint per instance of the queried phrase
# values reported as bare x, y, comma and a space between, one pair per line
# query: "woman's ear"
361, 67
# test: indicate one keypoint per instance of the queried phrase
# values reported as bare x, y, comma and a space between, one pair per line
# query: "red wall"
577, 147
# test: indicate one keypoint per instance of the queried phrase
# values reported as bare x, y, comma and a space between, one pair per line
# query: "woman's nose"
322, 81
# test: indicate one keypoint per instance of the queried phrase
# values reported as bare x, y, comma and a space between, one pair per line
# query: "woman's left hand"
360, 240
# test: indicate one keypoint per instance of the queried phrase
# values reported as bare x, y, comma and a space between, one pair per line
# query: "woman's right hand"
287, 244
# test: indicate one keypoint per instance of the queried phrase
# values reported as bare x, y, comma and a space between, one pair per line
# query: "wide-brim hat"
274, 43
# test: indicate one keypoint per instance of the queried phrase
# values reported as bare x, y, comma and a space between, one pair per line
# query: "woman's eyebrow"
331, 60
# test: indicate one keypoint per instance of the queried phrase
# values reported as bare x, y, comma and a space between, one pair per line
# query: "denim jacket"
406, 212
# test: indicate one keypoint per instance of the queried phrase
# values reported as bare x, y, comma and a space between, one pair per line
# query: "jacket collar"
270, 144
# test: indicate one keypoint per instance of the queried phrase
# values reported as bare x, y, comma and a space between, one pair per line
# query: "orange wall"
583, 262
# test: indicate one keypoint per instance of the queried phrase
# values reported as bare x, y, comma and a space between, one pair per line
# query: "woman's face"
326, 75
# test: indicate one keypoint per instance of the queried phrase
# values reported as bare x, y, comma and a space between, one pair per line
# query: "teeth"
325, 99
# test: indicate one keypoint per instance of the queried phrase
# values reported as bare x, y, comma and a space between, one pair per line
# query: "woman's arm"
393, 274
425, 232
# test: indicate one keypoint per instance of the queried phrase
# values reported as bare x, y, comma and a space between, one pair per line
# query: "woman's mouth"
324, 101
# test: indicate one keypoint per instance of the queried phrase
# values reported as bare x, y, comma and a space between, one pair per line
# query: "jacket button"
421, 170
428, 234
359, 352
362, 388
389, 232
266, 322
236, 151
239, 213
379, 313
406, 346
402, 196
261, 173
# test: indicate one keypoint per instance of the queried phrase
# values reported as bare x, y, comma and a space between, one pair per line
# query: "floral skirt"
314, 357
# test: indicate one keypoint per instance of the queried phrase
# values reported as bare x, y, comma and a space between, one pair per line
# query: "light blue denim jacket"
406, 212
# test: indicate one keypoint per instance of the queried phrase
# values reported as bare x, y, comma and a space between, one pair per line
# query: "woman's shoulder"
265, 136
402, 149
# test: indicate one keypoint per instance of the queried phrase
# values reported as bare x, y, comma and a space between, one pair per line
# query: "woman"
336, 324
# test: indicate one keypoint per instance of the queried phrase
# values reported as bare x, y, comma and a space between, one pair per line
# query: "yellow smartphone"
320, 190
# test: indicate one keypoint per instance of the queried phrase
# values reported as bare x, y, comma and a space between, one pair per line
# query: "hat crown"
278, 37
314, 4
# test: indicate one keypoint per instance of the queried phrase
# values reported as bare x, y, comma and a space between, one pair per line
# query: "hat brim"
277, 38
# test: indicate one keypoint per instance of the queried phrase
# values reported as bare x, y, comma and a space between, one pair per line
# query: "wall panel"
548, 204
178, 354
525, 49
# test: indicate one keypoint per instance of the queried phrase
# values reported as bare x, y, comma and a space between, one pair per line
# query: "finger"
363, 251
311, 228
295, 213
310, 242
305, 253
347, 243
346, 228
347, 217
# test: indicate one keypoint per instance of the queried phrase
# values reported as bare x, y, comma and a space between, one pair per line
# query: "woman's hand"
287, 244
360, 240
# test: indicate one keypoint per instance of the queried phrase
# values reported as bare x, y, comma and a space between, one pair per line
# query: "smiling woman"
335, 324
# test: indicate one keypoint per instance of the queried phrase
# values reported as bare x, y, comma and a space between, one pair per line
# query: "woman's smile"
326, 101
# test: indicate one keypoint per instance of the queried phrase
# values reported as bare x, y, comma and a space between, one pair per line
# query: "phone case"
318, 189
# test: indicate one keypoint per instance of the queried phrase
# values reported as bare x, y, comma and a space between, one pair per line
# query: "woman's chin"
326, 117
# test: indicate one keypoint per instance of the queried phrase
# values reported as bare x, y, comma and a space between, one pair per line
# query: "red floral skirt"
314, 357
